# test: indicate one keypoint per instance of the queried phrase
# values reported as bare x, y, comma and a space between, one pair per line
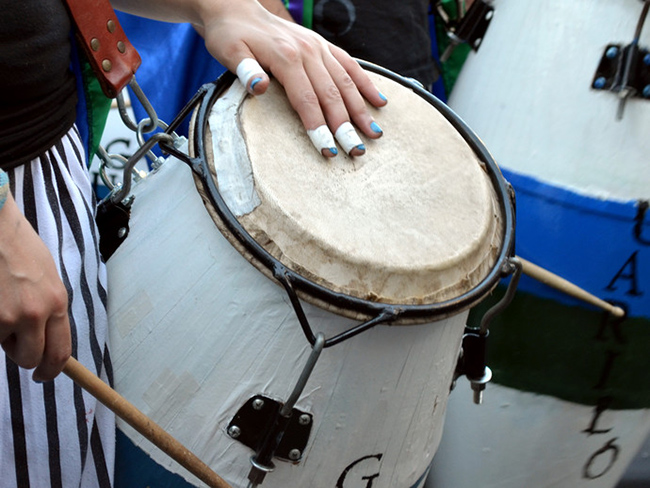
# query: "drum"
329, 296
570, 401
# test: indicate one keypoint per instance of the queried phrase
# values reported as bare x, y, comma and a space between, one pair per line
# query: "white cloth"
55, 434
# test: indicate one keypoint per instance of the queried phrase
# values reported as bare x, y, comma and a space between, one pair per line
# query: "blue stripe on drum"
135, 469
549, 343
599, 244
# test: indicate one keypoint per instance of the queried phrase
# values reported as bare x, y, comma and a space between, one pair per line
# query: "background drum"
415, 232
571, 402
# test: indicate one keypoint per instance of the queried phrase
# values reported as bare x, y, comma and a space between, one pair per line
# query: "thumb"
252, 76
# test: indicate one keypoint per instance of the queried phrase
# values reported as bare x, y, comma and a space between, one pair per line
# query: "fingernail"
255, 82
358, 150
383, 97
375, 127
329, 152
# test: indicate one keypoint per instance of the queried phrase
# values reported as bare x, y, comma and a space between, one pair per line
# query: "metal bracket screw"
234, 431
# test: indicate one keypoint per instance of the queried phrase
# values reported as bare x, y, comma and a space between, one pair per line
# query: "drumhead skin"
416, 220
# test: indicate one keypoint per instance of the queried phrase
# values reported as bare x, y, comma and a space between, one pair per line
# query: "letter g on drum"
351, 474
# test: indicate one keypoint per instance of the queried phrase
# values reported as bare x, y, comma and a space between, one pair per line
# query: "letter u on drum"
420, 225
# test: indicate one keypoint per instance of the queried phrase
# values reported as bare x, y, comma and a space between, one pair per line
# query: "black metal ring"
405, 312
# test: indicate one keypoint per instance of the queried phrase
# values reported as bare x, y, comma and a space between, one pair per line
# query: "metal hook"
123, 192
142, 98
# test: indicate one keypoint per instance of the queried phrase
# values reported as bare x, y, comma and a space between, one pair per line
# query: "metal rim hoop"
291, 280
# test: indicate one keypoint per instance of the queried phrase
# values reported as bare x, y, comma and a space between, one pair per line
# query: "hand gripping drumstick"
544, 276
143, 424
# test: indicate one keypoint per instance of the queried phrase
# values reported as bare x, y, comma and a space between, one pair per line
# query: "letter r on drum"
367, 479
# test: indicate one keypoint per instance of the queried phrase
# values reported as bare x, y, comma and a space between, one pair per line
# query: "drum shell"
579, 174
197, 330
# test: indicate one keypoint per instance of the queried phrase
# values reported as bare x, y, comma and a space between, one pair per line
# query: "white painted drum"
198, 331
527, 93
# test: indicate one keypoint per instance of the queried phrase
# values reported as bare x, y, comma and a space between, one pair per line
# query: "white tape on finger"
247, 69
348, 138
322, 138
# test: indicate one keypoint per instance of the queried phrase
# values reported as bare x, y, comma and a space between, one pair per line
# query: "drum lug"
275, 429
472, 360
113, 224
625, 70
471, 29
260, 415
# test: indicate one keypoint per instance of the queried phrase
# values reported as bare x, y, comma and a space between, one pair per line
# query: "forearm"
197, 12
276, 7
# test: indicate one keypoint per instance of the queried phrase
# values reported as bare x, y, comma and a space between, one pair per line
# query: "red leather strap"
111, 55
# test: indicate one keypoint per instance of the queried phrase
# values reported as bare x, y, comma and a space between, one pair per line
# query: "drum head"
414, 221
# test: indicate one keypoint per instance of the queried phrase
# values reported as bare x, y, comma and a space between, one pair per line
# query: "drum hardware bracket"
625, 70
113, 224
386, 316
472, 360
470, 30
257, 416
114, 211
273, 429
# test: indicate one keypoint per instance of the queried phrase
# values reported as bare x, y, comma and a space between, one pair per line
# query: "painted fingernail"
255, 82
322, 139
383, 97
375, 127
349, 139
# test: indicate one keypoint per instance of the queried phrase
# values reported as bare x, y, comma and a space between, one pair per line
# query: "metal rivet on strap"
94, 44
107, 65
110, 25
121, 47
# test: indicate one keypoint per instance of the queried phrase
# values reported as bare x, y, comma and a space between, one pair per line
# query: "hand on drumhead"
34, 324
324, 84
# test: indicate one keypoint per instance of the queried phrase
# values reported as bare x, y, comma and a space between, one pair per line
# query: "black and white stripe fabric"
55, 434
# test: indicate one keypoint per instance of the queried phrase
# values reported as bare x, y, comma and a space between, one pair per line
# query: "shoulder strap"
113, 59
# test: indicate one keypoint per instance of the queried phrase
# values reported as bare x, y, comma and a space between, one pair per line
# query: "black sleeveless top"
394, 34
37, 88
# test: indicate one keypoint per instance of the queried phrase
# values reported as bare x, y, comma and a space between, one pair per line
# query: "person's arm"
276, 7
34, 325
323, 83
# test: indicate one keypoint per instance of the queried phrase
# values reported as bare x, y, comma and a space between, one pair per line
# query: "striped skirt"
55, 434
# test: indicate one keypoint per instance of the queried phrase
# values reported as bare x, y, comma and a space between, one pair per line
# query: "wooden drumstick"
140, 422
544, 276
